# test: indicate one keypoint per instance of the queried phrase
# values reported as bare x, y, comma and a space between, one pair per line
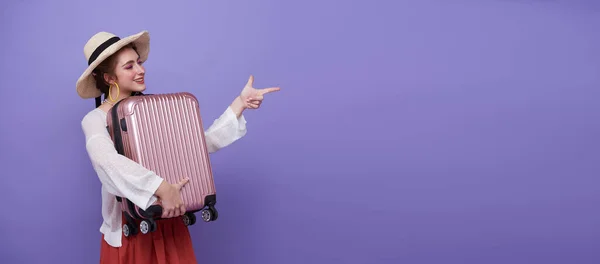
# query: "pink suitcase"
164, 133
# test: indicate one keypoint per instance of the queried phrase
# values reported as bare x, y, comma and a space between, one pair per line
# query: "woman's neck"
108, 102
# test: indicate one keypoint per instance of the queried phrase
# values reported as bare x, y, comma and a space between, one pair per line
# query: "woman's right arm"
124, 177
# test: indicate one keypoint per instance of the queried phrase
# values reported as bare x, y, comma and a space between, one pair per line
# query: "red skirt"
171, 243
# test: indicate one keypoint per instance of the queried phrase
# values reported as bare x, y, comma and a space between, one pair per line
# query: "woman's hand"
252, 97
170, 198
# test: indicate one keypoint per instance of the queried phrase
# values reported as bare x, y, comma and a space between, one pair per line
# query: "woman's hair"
107, 66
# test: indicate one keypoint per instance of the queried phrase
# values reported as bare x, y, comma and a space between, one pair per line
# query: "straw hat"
101, 46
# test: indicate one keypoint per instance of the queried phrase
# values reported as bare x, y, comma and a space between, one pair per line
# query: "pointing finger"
269, 90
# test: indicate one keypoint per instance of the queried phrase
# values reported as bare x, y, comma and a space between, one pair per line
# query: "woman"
115, 70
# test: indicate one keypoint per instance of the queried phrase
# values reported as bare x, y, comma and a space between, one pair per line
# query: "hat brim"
86, 84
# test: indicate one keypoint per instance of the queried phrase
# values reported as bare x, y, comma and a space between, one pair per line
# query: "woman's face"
129, 72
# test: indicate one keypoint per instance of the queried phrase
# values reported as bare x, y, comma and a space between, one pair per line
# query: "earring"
109, 93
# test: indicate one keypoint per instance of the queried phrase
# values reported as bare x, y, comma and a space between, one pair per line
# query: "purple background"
405, 131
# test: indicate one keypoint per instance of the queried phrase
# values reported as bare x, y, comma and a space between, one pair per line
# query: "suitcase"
165, 134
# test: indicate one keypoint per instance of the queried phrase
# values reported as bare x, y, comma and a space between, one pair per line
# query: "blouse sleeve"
225, 130
120, 175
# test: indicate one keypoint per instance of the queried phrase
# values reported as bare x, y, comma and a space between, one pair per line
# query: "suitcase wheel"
126, 230
214, 212
129, 229
189, 219
209, 214
148, 225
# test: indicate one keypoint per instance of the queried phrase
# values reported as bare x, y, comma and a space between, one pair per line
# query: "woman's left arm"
238, 106
231, 125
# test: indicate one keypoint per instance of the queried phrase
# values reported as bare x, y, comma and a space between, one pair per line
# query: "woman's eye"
128, 67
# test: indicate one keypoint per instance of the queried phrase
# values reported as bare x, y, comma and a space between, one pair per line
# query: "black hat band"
101, 48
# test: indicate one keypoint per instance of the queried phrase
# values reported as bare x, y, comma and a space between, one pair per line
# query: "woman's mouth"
139, 81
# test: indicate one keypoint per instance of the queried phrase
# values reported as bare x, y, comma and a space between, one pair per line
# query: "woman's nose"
140, 69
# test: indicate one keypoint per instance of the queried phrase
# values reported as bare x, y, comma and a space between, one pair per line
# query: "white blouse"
121, 176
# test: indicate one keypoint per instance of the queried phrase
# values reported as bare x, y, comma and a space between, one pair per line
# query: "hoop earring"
110, 95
